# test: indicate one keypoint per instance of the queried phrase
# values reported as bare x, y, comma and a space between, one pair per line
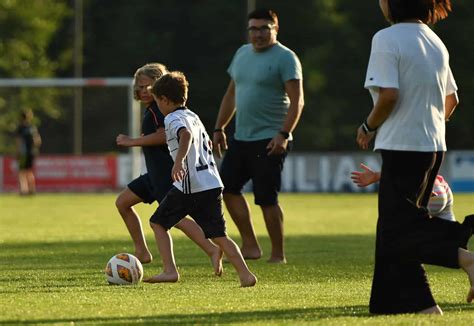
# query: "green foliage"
58, 244
27, 29
331, 37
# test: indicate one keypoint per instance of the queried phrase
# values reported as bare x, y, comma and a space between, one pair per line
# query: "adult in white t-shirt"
414, 93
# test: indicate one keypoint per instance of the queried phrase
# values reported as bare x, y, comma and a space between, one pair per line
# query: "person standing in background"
28, 142
266, 95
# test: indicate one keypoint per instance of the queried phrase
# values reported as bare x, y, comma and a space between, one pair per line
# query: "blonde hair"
152, 70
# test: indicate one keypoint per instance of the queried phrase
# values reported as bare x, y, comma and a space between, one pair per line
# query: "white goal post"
133, 106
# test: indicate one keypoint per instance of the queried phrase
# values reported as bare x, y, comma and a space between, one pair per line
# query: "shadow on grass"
290, 315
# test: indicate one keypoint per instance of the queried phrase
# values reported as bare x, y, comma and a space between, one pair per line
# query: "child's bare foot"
251, 253
163, 277
216, 260
277, 260
144, 257
248, 281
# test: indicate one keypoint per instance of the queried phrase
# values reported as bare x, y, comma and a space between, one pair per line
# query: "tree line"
331, 37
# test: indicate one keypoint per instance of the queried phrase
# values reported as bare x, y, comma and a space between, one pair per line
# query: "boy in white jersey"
197, 187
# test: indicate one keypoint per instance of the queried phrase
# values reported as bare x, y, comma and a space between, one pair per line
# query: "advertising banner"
66, 173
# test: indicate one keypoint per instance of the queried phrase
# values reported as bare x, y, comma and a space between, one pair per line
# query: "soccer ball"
124, 269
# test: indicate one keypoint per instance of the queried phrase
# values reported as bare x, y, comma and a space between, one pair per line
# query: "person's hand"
365, 177
277, 145
219, 141
178, 171
123, 140
363, 139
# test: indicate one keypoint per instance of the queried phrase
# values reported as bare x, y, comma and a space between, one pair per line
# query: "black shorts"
204, 207
142, 187
26, 161
246, 161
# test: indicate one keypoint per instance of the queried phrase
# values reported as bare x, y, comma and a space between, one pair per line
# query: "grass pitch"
54, 248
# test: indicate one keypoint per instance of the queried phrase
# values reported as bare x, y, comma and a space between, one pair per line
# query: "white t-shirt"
411, 58
201, 170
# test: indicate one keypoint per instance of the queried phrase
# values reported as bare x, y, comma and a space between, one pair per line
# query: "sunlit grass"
54, 247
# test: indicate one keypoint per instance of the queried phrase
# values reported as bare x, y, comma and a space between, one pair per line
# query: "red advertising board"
66, 173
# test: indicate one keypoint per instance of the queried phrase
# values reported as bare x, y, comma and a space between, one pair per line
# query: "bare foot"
216, 260
248, 281
144, 257
277, 260
163, 277
251, 253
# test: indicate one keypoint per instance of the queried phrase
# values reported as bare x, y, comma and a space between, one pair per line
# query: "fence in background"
304, 172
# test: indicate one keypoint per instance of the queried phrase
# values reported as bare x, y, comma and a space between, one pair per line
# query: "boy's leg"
124, 203
240, 213
195, 233
165, 247
234, 256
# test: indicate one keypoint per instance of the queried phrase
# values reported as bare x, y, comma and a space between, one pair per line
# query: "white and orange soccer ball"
123, 269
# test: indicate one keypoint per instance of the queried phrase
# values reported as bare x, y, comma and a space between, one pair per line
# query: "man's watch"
285, 134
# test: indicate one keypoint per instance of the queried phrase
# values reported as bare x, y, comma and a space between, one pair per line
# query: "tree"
27, 28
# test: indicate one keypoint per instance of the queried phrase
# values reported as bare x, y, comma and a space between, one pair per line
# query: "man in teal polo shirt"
266, 95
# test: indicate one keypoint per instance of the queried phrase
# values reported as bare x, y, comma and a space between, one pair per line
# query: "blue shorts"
204, 207
246, 161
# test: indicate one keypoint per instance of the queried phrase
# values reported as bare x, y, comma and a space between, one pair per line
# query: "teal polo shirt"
260, 97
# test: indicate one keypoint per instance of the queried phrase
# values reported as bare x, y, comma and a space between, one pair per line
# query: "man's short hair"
173, 86
264, 13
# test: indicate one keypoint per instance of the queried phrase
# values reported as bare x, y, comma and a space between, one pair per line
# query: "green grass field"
54, 248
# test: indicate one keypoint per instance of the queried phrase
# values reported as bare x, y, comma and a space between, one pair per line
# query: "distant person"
414, 93
197, 187
266, 95
28, 142
152, 186
441, 199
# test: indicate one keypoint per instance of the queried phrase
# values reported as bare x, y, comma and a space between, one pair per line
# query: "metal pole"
134, 130
78, 44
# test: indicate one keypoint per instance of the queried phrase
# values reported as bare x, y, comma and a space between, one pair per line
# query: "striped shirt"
201, 169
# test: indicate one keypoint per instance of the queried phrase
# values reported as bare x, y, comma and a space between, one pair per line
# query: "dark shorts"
246, 161
204, 207
26, 161
143, 188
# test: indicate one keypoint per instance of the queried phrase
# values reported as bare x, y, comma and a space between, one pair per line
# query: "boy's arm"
179, 170
154, 139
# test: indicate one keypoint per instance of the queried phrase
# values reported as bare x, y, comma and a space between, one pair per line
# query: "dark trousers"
407, 236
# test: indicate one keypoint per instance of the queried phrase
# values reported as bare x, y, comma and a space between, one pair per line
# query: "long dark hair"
428, 11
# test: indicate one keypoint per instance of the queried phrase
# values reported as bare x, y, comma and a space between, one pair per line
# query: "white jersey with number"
201, 170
